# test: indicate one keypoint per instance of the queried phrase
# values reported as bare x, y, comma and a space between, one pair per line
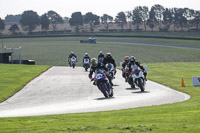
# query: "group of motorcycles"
135, 76
103, 79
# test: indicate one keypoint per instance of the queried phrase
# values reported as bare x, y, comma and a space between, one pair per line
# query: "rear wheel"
73, 65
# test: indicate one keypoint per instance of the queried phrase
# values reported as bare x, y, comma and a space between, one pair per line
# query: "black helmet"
132, 59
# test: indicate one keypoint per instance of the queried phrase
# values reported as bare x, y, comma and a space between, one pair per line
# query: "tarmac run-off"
63, 90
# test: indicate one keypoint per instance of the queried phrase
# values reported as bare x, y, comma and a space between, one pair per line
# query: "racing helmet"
94, 62
72, 53
108, 55
86, 54
132, 59
126, 59
101, 53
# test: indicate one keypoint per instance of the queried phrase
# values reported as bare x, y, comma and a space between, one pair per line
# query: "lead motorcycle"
73, 62
102, 82
86, 63
137, 77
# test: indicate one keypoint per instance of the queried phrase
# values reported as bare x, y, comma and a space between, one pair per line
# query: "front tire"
141, 84
103, 89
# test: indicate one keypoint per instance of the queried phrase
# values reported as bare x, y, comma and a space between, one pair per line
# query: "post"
2, 41
20, 55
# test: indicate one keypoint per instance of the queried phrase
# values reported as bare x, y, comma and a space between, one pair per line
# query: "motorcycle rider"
133, 64
124, 64
101, 58
109, 59
101, 55
70, 56
86, 56
95, 65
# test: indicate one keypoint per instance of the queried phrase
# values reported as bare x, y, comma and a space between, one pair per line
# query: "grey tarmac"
62, 90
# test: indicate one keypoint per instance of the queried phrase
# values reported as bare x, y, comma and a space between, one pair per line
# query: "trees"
196, 20
44, 21
54, 19
2, 25
12, 19
29, 20
158, 9
13, 28
129, 18
137, 17
105, 20
152, 20
91, 19
76, 20
120, 19
167, 18
179, 18
145, 15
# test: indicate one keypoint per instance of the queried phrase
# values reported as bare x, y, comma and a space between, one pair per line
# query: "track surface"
66, 90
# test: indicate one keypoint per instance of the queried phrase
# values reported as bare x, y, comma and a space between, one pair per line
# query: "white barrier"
196, 81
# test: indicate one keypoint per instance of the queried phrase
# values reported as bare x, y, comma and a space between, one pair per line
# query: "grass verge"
14, 77
181, 117
54, 51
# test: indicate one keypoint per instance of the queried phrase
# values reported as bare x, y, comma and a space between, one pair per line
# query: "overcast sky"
98, 7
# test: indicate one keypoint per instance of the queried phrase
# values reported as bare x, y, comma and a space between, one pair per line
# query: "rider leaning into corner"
133, 65
70, 56
95, 65
86, 56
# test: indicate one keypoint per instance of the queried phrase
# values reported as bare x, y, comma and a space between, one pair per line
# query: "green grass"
54, 51
183, 117
14, 77
149, 33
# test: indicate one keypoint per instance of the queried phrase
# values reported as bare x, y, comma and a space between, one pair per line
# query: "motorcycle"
100, 60
111, 71
138, 79
73, 62
86, 64
125, 73
102, 82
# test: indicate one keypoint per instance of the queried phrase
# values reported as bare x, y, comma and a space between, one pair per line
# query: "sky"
99, 7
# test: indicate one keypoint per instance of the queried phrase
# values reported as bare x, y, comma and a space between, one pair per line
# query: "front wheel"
102, 87
141, 84
73, 65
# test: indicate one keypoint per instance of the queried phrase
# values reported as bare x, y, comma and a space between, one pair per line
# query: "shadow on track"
141, 92
103, 98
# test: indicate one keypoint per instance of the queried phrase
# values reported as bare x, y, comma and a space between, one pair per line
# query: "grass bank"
14, 77
181, 117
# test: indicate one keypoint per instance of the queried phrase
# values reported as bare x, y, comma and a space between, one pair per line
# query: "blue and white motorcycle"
102, 82
86, 63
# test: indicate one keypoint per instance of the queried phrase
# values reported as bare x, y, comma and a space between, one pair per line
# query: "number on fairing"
86, 60
99, 76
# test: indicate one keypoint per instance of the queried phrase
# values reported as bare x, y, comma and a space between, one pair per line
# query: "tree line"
140, 16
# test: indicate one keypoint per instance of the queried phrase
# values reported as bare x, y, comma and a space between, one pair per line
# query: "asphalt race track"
63, 90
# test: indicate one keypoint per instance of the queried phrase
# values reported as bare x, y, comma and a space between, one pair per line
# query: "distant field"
54, 51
